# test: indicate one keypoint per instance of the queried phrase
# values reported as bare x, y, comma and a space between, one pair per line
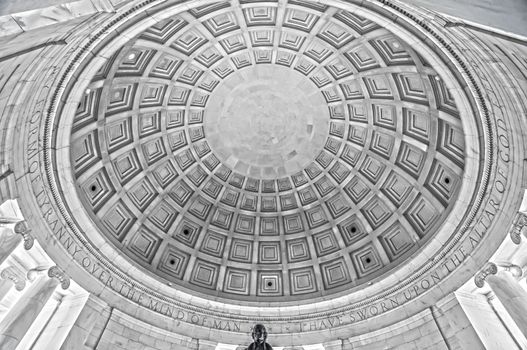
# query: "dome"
268, 151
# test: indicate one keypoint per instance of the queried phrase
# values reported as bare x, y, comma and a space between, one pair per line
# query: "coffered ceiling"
267, 151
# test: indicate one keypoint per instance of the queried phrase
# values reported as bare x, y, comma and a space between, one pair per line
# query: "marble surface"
507, 15
205, 160
8, 7
266, 122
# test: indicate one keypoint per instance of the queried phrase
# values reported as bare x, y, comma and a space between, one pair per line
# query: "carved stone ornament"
514, 270
33, 273
56, 272
22, 229
519, 226
488, 269
10, 273
492, 269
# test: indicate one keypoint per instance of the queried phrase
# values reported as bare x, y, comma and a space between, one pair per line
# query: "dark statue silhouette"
259, 336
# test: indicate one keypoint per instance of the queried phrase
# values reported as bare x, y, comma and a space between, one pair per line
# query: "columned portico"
12, 232
503, 280
20, 317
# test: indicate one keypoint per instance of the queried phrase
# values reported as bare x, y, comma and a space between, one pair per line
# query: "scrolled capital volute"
23, 229
519, 228
35, 272
488, 269
10, 273
58, 273
514, 270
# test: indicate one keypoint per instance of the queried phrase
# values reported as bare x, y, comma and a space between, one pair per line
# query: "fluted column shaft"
8, 242
83, 326
5, 287
25, 311
20, 317
513, 297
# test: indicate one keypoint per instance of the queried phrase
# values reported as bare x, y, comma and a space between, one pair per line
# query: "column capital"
519, 227
514, 270
491, 268
488, 269
51, 272
15, 276
58, 273
33, 273
23, 229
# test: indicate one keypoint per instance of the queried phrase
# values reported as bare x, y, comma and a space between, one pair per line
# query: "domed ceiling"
267, 151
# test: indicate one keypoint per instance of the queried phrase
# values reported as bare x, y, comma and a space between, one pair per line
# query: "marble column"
20, 317
10, 277
5, 287
84, 324
502, 281
94, 312
10, 238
